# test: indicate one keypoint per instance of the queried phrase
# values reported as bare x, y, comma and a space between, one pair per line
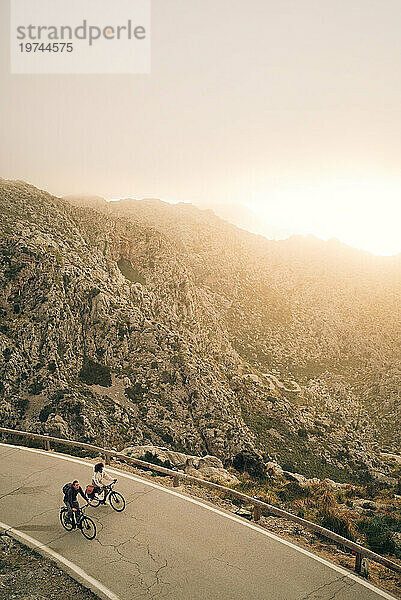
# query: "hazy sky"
284, 114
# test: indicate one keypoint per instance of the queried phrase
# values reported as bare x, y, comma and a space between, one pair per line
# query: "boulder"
334, 485
220, 476
163, 455
205, 467
210, 461
251, 377
313, 481
368, 505
297, 477
273, 469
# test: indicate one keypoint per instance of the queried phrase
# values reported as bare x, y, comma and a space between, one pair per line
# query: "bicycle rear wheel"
117, 501
64, 520
88, 528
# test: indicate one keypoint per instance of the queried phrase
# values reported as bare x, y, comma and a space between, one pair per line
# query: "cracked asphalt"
161, 546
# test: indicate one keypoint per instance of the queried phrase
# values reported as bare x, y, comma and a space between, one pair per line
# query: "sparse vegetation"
22, 405
45, 412
135, 392
339, 523
36, 387
249, 462
93, 373
331, 509
379, 534
129, 272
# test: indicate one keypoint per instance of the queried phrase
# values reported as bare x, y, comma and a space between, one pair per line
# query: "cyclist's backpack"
66, 488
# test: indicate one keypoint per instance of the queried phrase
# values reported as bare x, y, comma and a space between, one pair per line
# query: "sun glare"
364, 214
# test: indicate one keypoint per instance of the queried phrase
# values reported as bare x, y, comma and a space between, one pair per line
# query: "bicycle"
116, 500
83, 522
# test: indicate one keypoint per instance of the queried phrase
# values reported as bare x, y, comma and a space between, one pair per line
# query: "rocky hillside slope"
306, 313
318, 319
149, 323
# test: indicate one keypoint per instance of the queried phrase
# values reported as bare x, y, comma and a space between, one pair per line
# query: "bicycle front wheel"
64, 520
117, 501
88, 528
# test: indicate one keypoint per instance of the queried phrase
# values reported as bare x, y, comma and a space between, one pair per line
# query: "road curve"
164, 545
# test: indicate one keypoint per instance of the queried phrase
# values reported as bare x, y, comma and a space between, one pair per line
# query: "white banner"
80, 36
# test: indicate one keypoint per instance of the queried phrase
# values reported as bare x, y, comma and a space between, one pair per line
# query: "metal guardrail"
259, 507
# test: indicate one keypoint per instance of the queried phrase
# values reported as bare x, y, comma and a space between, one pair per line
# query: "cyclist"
71, 491
99, 480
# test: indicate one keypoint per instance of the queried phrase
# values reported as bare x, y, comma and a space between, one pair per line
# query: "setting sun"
365, 214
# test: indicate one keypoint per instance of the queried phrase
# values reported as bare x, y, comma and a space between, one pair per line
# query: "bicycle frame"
107, 489
78, 514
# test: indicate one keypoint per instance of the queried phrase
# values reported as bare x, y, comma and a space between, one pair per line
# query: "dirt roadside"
26, 575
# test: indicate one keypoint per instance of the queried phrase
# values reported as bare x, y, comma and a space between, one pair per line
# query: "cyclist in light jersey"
100, 479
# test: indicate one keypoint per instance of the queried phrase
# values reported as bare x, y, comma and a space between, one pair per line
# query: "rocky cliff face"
147, 323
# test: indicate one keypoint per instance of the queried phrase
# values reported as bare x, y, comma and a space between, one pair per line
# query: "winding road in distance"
165, 545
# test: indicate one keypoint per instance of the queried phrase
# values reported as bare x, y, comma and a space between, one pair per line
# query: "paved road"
163, 545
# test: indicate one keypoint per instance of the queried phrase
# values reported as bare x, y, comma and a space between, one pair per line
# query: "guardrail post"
47, 445
176, 481
358, 562
257, 513
365, 567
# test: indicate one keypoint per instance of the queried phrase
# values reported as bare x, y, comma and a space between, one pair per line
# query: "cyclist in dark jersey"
70, 499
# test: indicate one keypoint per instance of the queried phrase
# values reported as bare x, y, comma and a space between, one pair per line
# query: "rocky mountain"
150, 323
321, 321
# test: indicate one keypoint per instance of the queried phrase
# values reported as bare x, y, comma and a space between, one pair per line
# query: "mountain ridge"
100, 202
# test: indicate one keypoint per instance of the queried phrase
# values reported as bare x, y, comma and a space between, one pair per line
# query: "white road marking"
217, 511
43, 549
